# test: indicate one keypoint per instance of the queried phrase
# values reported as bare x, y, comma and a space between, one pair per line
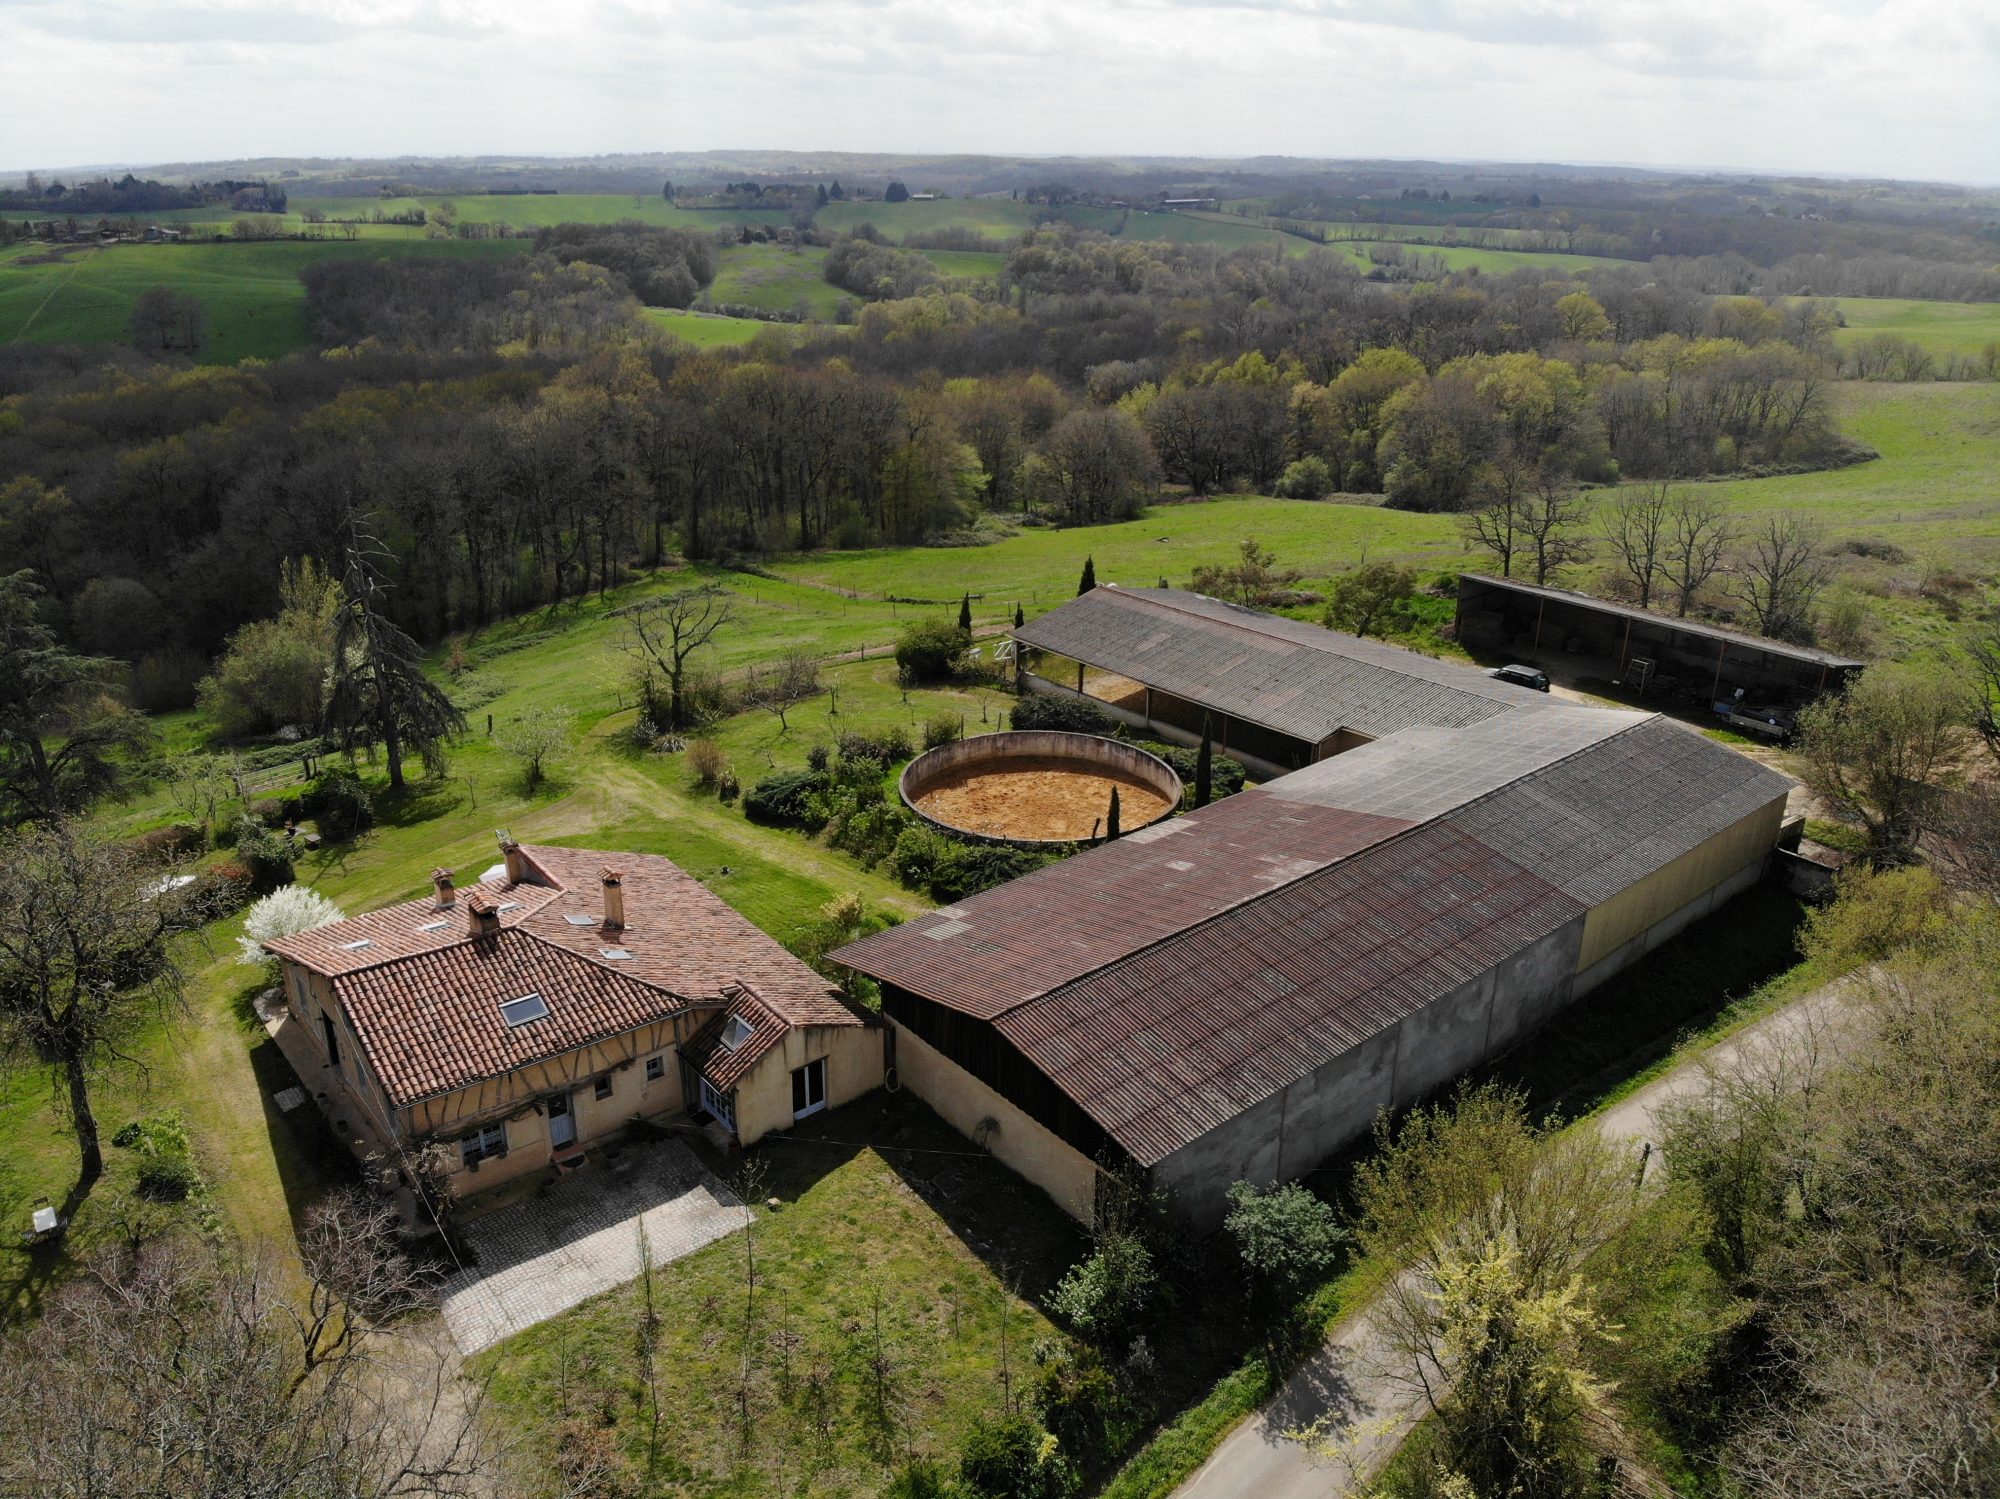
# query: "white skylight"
614, 954
581, 920
357, 944
433, 926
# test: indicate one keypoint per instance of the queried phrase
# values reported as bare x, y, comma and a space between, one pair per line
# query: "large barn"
1238, 992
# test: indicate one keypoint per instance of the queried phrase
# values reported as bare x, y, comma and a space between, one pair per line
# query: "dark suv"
1521, 676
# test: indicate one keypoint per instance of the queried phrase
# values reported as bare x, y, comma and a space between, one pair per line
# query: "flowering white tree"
296, 908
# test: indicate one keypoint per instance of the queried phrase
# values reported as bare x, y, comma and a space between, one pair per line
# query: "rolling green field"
1942, 327
535, 211
774, 278
710, 331
1488, 262
256, 303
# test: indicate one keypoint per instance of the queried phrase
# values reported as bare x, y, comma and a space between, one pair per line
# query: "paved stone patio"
540, 1257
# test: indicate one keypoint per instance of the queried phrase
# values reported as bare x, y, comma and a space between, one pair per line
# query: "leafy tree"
535, 737
1583, 318
930, 650
165, 321
1306, 478
1009, 1457
283, 913
895, 192
86, 957
380, 692
1882, 749
278, 672
1254, 578
63, 739
1286, 1238
1109, 1293
1368, 596
663, 635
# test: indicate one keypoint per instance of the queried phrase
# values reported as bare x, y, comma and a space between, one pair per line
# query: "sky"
1905, 88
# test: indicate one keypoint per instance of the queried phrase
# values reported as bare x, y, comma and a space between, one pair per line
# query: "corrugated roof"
1512, 828
1004, 945
1166, 1046
1294, 678
1716, 633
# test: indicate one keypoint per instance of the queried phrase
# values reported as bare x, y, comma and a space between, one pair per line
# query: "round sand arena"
1036, 787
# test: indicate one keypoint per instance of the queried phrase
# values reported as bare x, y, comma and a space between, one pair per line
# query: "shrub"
1106, 1295
968, 868
727, 786
1074, 1395
266, 856
340, 805
817, 756
929, 650
942, 728
226, 888
919, 1478
896, 744
1225, 776
128, 1135
707, 761
162, 844
1074, 715
1009, 1457
168, 1179
785, 799
1286, 1239
1307, 479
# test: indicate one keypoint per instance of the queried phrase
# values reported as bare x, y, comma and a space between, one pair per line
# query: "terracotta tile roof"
422, 993
724, 1065
430, 1023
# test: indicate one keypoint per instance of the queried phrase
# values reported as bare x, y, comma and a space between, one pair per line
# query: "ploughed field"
1037, 797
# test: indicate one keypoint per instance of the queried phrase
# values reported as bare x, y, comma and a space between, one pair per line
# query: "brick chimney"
614, 896
446, 893
482, 915
517, 862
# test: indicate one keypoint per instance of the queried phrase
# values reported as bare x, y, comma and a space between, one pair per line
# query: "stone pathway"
542, 1256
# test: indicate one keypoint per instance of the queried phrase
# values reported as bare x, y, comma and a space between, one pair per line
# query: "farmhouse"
1236, 993
566, 995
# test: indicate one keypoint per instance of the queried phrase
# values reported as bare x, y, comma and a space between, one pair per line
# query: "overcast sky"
1908, 88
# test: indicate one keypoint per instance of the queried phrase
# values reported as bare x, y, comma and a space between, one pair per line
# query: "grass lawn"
709, 331
537, 210
882, 1277
256, 303
774, 278
1942, 327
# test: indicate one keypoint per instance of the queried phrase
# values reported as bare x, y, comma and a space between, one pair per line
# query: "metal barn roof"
1281, 674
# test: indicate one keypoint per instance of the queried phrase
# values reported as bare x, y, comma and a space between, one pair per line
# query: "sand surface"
1031, 796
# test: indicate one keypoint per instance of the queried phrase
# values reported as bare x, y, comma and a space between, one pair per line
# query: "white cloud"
1892, 87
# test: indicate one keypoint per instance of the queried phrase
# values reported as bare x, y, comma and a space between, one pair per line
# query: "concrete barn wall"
1294, 1129
853, 1055
1668, 926
1641, 908
1059, 1169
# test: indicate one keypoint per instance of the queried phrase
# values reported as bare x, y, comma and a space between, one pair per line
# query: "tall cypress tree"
965, 614
1111, 818
380, 691
1089, 580
1202, 763
1019, 618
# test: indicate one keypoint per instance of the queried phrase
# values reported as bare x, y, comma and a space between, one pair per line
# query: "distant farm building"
1236, 993
1702, 662
1189, 203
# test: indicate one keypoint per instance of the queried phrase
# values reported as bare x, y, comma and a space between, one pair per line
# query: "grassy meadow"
255, 300
712, 331
1944, 328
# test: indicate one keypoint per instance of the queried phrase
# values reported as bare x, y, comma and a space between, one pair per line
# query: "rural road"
1350, 1377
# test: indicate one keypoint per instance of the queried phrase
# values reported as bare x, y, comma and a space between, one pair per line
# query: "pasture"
256, 303
775, 278
1944, 328
707, 330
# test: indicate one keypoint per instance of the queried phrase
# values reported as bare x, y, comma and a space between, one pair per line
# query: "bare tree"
1496, 527
1984, 651
86, 956
181, 1367
663, 635
1781, 578
1637, 525
1698, 537
792, 680
1551, 517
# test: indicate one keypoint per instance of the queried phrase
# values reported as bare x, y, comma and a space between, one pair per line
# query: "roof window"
525, 1010
433, 926
615, 954
358, 943
508, 905
737, 1032
575, 920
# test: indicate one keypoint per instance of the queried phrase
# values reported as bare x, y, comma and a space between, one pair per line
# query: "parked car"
1521, 676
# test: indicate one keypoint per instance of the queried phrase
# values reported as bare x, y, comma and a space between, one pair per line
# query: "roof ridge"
1153, 596
1400, 833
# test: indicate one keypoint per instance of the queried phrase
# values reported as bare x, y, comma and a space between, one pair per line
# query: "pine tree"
1111, 819
1020, 619
1203, 788
380, 691
1089, 580
965, 614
